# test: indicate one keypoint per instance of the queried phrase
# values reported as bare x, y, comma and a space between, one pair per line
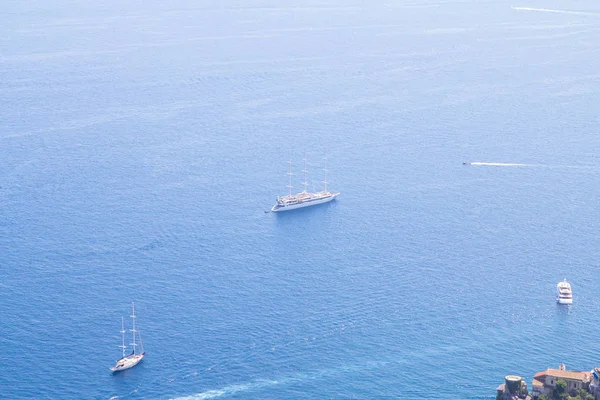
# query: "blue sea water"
141, 142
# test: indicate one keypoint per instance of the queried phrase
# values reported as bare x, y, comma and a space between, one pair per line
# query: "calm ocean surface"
141, 143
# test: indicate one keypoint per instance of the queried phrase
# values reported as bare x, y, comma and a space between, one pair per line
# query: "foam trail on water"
499, 164
549, 10
284, 380
314, 375
227, 391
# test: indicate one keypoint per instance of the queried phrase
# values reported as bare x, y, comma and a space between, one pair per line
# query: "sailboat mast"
325, 170
133, 325
305, 183
123, 336
290, 179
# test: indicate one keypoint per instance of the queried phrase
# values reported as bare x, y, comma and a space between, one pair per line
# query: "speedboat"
564, 293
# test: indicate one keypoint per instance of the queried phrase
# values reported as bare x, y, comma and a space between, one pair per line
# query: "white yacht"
130, 360
305, 198
565, 295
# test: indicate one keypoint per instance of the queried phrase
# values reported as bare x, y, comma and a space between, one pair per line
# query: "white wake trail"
228, 390
299, 377
549, 10
499, 164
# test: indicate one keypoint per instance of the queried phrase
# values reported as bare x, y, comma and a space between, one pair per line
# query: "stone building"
545, 382
513, 388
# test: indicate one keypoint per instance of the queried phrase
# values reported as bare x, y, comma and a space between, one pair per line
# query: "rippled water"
141, 143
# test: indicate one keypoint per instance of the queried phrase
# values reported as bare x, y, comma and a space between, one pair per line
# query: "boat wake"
549, 10
499, 164
229, 390
280, 382
285, 380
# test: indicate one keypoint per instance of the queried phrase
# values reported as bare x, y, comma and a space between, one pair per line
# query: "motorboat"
564, 293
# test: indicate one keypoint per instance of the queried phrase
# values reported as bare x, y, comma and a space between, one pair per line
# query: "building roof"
562, 374
537, 382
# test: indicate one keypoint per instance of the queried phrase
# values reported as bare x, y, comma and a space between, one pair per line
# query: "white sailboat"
304, 198
130, 360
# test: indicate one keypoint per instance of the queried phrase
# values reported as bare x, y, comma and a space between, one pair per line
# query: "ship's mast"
141, 344
290, 179
325, 170
305, 183
133, 331
122, 346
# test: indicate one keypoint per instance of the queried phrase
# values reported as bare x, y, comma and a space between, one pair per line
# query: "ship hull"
564, 295
305, 204
128, 362
564, 301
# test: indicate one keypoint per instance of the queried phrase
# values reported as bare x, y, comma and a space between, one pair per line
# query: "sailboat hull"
128, 362
312, 202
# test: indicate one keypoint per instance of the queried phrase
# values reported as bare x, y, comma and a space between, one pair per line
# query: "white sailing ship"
304, 198
130, 360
